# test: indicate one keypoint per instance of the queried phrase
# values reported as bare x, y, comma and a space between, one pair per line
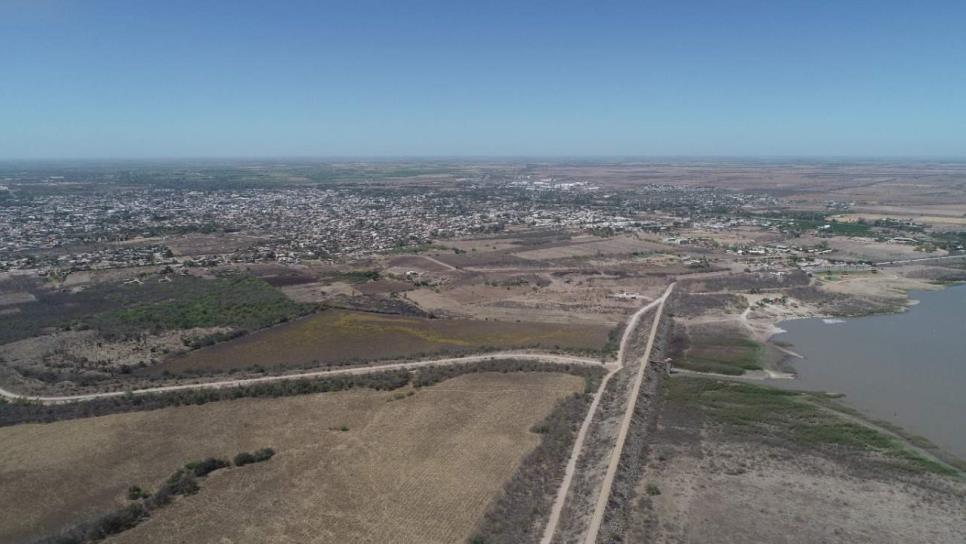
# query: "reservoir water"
907, 368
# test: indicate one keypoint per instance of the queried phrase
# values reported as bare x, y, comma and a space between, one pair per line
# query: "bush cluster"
204, 467
245, 458
24, 412
182, 482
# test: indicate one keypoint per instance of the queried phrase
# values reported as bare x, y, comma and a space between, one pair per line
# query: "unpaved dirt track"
561, 497
509, 355
598, 517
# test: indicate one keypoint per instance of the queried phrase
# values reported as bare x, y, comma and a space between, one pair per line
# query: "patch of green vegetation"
722, 354
153, 304
793, 416
613, 340
798, 222
245, 458
353, 276
237, 301
835, 228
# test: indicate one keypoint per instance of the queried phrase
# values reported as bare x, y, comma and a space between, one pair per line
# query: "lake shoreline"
879, 380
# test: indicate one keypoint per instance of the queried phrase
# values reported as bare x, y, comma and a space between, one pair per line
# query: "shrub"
181, 482
245, 458
202, 468
134, 493
102, 527
264, 454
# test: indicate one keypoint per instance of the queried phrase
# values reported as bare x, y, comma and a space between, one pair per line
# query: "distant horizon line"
494, 158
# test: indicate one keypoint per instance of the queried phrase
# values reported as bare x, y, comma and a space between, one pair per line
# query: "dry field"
206, 244
419, 469
931, 220
582, 300
341, 336
590, 246
483, 244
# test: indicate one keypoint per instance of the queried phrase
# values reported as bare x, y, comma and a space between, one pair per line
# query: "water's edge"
906, 368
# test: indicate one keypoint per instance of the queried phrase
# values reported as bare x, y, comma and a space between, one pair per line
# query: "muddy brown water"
907, 368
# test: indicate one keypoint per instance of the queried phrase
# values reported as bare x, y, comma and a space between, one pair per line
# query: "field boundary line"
352, 371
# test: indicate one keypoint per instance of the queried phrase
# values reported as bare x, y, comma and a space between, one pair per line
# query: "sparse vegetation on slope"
780, 414
418, 470
182, 482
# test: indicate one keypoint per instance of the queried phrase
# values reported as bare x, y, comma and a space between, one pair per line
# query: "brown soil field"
416, 262
384, 286
204, 244
926, 219
557, 303
593, 246
483, 259
341, 336
418, 469
482, 244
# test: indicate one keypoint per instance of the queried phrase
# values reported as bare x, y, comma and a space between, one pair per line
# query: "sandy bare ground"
419, 469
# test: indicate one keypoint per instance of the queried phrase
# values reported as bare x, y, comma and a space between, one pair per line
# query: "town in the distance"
486, 351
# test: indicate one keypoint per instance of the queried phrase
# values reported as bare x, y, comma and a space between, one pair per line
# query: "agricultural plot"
338, 336
355, 466
620, 245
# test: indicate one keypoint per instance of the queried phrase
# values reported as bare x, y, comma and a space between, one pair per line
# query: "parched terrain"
356, 466
344, 336
737, 463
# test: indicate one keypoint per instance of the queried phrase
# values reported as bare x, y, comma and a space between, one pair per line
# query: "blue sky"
128, 79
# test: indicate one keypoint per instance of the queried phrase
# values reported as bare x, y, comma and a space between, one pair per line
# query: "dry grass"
592, 246
339, 336
417, 469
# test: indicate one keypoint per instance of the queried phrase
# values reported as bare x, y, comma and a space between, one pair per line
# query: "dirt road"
602, 499
509, 355
564, 489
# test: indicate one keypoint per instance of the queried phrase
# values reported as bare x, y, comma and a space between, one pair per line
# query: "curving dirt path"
550, 358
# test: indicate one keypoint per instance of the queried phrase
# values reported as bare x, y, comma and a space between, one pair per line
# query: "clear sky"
172, 78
